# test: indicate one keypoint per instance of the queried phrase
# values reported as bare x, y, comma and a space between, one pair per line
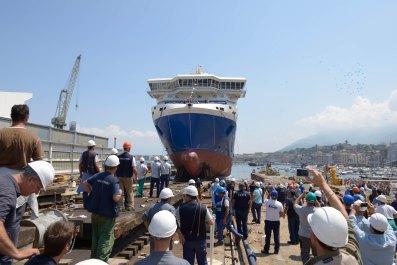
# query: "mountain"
368, 136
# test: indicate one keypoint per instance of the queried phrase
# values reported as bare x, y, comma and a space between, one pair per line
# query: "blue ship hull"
198, 144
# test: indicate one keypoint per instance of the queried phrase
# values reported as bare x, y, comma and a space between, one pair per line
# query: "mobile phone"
302, 172
364, 204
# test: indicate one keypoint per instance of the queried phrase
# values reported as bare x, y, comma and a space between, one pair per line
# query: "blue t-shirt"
104, 187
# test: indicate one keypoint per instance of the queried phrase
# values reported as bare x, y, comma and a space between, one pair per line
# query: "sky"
310, 65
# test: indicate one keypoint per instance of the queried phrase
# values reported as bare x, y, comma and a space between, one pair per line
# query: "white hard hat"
165, 158
112, 161
166, 193
142, 159
44, 170
318, 193
114, 151
162, 225
91, 262
190, 190
216, 179
382, 198
378, 222
191, 181
329, 226
91, 143
156, 158
257, 184
358, 203
233, 180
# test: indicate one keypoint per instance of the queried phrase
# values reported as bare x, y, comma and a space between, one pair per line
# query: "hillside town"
345, 154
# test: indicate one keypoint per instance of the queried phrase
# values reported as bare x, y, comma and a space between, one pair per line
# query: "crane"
59, 121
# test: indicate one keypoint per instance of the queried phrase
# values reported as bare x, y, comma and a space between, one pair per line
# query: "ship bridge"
200, 87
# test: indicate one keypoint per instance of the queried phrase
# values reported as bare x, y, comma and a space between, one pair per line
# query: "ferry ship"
195, 118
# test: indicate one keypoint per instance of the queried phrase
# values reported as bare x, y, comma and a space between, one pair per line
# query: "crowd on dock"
356, 226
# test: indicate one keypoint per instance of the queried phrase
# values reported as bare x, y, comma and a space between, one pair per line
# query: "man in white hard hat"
37, 175
141, 170
333, 237
166, 195
193, 217
165, 173
104, 193
192, 182
360, 220
256, 203
88, 164
161, 229
91, 262
378, 243
388, 211
319, 197
155, 177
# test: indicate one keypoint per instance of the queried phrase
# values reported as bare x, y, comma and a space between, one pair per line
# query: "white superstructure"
9, 99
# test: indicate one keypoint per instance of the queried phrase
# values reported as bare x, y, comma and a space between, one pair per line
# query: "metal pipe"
250, 254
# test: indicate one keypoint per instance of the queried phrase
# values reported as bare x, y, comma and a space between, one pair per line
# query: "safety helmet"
191, 191
358, 203
382, 198
156, 158
257, 184
142, 159
91, 143
162, 225
220, 189
348, 199
329, 226
112, 161
274, 194
127, 145
222, 183
114, 151
318, 193
44, 170
311, 197
192, 182
378, 222
165, 158
91, 262
166, 193
356, 190
232, 180
216, 179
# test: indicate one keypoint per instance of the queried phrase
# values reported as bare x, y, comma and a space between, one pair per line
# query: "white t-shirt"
386, 210
141, 169
273, 210
165, 168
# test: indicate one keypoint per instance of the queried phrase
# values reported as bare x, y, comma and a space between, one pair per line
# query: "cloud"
363, 113
144, 142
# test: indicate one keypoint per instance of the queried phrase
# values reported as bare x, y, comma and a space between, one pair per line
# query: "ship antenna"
199, 70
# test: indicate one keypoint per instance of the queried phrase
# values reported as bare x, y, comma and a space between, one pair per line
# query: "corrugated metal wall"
63, 148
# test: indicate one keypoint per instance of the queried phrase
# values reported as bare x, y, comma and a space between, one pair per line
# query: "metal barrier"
42, 223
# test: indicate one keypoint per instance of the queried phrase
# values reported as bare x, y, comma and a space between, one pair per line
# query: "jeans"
293, 228
164, 181
275, 227
139, 190
198, 249
102, 237
256, 211
154, 181
220, 226
305, 245
241, 221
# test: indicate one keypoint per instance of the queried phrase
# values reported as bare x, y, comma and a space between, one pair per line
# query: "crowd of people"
354, 227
